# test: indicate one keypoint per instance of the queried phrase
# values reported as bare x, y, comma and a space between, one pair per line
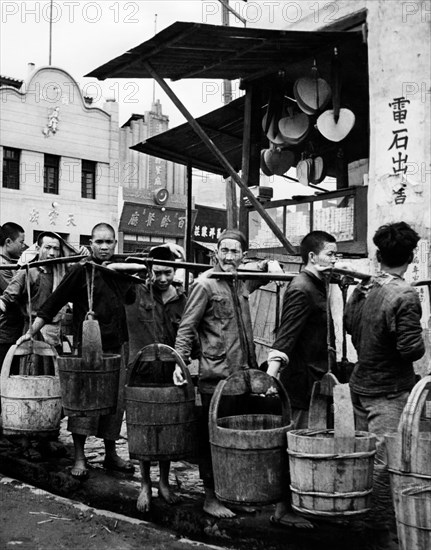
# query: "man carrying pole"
218, 311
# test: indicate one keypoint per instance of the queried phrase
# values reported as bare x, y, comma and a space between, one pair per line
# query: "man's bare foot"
289, 519
168, 495
79, 469
215, 508
117, 464
144, 499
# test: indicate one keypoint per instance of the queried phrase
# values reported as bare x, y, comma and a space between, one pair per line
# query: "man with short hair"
154, 318
218, 311
383, 315
110, 295
12, 237
301, 347
42, 281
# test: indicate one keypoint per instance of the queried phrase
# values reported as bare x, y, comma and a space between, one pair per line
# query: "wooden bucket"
331, 471
409, 449
89, 391
161, 421
30, 404
249, 451
413, 512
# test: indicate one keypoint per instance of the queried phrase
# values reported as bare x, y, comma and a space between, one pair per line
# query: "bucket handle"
408, 427
160, 352
344, 420
27, 348
248, 381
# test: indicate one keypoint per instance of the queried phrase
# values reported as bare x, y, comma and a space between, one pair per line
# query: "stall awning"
181, 144
197, 50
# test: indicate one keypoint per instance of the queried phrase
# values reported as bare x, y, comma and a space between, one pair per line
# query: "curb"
4, 480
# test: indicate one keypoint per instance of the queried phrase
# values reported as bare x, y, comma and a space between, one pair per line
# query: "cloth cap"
234, 234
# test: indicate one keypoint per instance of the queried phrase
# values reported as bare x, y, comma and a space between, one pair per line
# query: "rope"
237, 308
27, 276
90, 287
331, 349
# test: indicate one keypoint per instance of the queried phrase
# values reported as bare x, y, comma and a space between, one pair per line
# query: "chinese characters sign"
210, 223
152, 220
400, 140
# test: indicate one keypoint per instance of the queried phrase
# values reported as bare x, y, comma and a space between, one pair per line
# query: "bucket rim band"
362, 454
352, 494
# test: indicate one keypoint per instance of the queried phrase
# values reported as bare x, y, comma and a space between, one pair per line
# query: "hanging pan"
312, 93
304, 171
336, 123
294, 127
319, 171
263, 165
278, 160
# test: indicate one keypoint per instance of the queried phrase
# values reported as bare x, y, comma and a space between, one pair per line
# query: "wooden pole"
189, 228
221, 158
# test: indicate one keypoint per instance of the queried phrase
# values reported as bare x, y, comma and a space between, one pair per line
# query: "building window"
88, 179
84, 240
51, 174
11, 168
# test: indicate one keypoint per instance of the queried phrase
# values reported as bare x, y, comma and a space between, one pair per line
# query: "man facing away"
12, 245
383, 316
110, 295
300, 347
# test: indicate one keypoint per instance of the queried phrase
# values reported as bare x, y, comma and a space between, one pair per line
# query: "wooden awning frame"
231, 63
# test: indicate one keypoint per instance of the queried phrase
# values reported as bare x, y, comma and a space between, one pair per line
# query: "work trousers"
380, 415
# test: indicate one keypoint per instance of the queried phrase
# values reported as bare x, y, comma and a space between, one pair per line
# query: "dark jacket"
110, 295
152, 321
384, 321
219, 312
302, 336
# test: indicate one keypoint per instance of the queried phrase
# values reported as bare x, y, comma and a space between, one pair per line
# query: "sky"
87, 34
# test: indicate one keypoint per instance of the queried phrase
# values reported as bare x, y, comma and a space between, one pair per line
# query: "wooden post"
189, 229
221, 158
250, 150
231, 205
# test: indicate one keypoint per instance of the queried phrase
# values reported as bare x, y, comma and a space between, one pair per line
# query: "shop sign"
210, 223
143, 219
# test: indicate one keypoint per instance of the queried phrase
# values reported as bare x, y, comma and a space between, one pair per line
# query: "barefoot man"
218, 311
110, 295
154, 317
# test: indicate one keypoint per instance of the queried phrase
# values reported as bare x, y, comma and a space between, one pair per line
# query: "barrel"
331, 471
248, 451
413, 513
160, 418
409, 450
30, 404
89, 391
